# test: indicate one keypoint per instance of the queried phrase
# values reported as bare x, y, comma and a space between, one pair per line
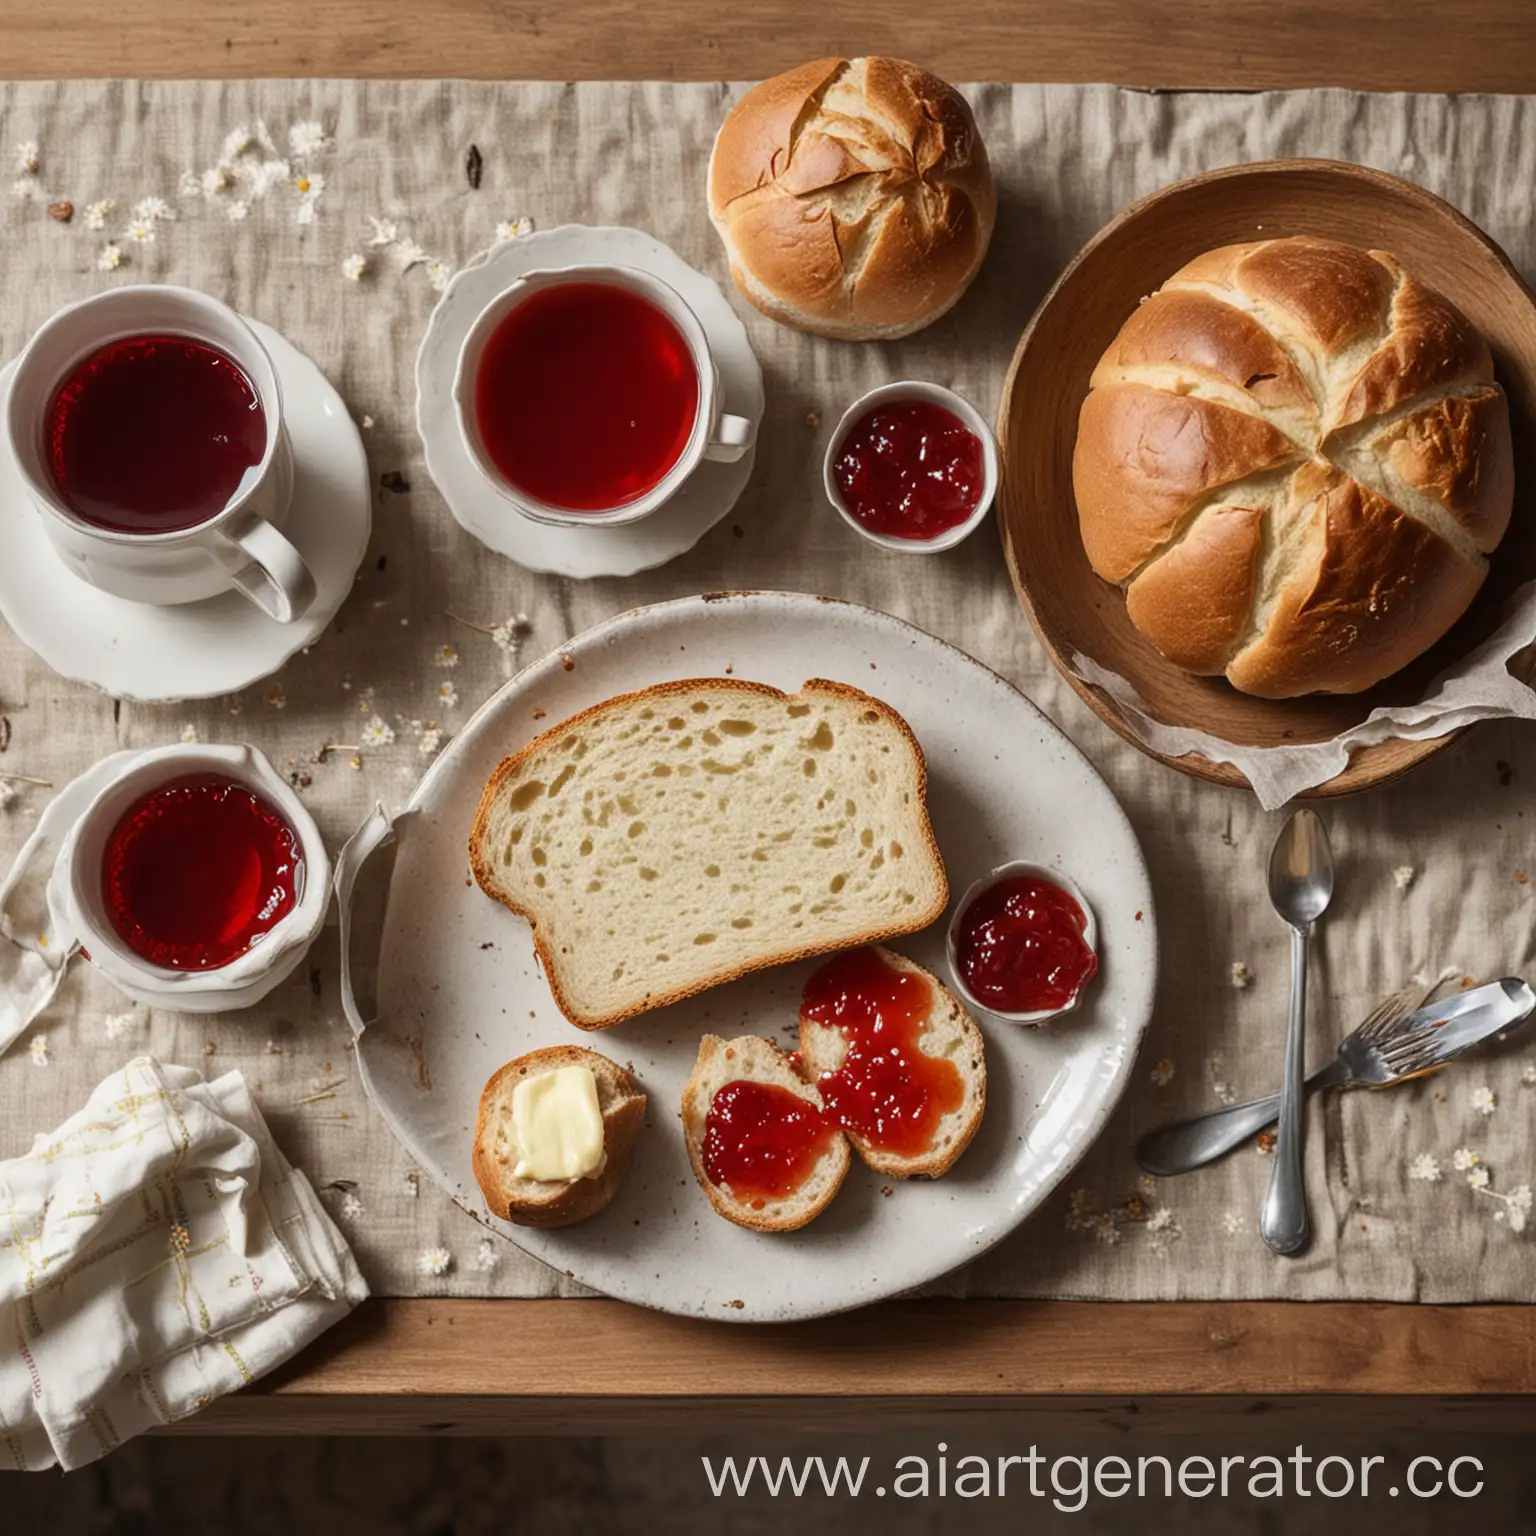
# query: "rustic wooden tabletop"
488, 1366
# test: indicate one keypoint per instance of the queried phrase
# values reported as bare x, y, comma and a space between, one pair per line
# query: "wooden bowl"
1072, 609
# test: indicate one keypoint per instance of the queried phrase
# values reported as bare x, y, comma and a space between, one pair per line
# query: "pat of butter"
558, 1125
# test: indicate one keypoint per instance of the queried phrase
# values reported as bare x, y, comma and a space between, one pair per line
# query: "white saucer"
708, 494
197, 650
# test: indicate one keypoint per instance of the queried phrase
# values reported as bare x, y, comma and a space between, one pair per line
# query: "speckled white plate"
197, 650
704, 498
462, 994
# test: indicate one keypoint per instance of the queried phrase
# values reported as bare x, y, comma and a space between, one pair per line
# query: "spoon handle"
1283, 1222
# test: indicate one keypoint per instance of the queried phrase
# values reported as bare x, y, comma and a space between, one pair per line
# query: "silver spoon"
1300, 888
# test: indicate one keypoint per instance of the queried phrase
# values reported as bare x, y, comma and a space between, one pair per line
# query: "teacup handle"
267, 569
733, 437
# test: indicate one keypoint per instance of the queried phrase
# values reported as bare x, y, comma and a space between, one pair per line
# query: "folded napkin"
156, 1252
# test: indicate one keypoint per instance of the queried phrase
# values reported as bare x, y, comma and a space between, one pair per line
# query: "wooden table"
595, 1366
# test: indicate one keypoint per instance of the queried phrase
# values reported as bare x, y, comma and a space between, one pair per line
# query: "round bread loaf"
1295, 462
853, 196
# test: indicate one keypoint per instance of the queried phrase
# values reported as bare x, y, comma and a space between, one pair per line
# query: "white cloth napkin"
156, 1252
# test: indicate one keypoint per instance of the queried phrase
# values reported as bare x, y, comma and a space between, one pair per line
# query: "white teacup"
240, 546
715, 435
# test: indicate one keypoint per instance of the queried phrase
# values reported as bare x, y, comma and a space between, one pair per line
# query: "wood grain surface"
598, 1366
1420, 45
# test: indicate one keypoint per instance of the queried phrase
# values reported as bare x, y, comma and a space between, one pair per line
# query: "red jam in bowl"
910, 469
887, 1091
199, 871
762, 1142
1021, 946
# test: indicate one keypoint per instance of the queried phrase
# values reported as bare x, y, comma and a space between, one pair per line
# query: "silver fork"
1397, 1041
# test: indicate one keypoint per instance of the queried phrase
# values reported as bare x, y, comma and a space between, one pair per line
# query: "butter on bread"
531, 1202
665, 841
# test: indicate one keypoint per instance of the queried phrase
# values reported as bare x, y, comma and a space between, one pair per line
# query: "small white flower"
189, 732
351, 1206
265, 175
27, 157
1517, 1204
309, 185
1162, 1221
1478, 1178
118, 1024
236, 142
1240, 976
367, 422
1425, 1167
1482, 1100
214, 182
276, 698
7, 794
384, 231
26, 188
238, 211
511, 229
1528, 1077
431, 741
439, 274
97, 213
448, 657
1232, 1224
378, 733
140, 231
1464, 1158
411, 1186
486, 1255
1162, 1073
110, 259
272, 1048
448, 695
436, 1261
307, 138
189, 185
150, 210
39, 1049
507, 636
353, 267
1105, 1230
1078, 1218
411, 255
1402, 876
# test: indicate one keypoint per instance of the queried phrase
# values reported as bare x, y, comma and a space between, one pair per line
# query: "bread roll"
1295, 461
853, 196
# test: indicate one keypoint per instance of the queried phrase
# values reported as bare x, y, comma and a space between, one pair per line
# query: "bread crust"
549, 1203
853, 197
695, 1110
512, 765
1260, 379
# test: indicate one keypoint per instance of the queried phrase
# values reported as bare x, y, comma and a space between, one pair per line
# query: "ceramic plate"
707, 495
197, 650
464, 995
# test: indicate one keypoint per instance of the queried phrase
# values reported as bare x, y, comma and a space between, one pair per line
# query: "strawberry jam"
762, 1141
910, 469
1022, 946
887, 1091
199, 871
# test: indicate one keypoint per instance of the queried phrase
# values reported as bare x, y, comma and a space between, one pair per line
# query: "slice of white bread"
950, 1033
554, 1202
751, 1059
665, 841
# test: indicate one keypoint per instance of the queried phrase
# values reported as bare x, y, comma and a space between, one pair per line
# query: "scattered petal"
238, 211
307, 138
385, 231
214, 182
118, 1024
1402, 876
1528, 1077
1233, 1224
411, 255
39, 1050
487, 1256
1425, 1167
27, 189
236, 142
353, 267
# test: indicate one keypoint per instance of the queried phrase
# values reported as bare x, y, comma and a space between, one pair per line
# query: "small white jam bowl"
76, 886
933, 394
1018, 868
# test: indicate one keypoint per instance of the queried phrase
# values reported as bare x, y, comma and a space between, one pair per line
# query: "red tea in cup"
586, 396
153, 434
